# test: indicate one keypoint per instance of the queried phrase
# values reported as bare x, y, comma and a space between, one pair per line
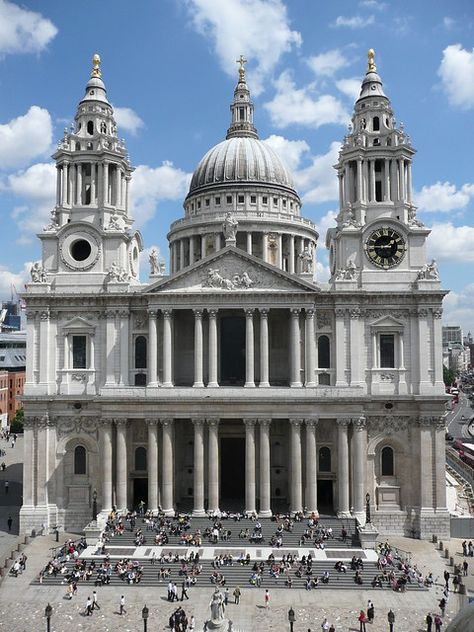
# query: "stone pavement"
22, 604
10, 503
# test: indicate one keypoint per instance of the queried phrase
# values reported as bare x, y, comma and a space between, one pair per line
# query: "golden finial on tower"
241, 60
96, 67
371, 67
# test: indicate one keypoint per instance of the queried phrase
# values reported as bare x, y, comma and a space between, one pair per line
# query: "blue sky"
169, 67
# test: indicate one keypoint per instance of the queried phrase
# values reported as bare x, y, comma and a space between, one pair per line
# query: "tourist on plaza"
95, 603
226, 596
442, 605
122, 605
370, 611
391, 620
362, 621
237, 595
325, 625
267, 599
429, 622
446, 578
464, 548
438, 623
88, 611
184, 592
291, 618
470, 548
465, 567
10, 522
192, 624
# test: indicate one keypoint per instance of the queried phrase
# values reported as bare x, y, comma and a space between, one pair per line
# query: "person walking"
267, 599
325, 625
370, 611
192, 624
88, 611
7, 486
446, 579
291, 618
237, 595
122, 605
442, 605
465, 567
391, 620
184, 592
362, 621
226, 596
429, 622
464, 548
438, 623
9, 523
95, 603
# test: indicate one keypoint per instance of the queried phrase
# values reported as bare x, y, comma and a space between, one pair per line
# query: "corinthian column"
249, 349
265, 490
105, 438
122, 468
311, 496
198, 354
152, 349
359, 438
264, 355
152, 463
310, 348
198, 509
167, 348
343, 468
213, 482
296, 498
168, 467
212, 348
250, 505
295, 348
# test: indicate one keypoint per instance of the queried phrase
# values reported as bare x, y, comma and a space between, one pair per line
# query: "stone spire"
241, 107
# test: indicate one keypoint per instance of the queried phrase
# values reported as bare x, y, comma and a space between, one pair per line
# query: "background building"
13, 361
236, 382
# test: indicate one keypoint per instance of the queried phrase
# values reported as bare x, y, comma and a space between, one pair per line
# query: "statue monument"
217, 621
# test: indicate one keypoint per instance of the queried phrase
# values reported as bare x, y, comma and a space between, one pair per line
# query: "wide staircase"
238, 574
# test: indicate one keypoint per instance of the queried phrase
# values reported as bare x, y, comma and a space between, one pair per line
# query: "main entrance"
140, 491
325, 497
232, 472
232, 350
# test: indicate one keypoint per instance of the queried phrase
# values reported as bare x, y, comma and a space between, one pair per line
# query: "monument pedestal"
368, 536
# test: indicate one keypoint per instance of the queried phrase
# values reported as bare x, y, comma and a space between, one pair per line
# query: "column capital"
212, 421
198, 313
264, 423
166, 422
295, 311
264, 312
212, 313
309, 313
360, 423
249, 423
426, 421
167, 313
343, 421
340, 312
121, 422
312, 422
198, 421
124, 313
152, 313
152, 421
296, 422
249, 312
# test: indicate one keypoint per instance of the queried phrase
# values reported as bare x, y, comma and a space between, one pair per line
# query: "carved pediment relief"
78, 324
231, 270
387, 322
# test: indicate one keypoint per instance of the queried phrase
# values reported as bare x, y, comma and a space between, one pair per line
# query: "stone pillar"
409, 186
198, 349
249, 349
310, 349
152, 461
343, 510
280, 250
174, 256
424, 383
213, 463
437, 341
58, 185
295, 353
359, 450
296, 497
46, 347
93, 184
29, 436
360, 186
122, 468
250, 505
265, 480
426, 464
265, 247
124, 347
106, 182
110, 349
356, 355
167, 495
152, 348
311, 494
291, 255
181, 254
264, 350
372, 180
167, 348
249, 243
439, 430
340, 348
212, 313
198, 509
393, 181
118, 187
191, 250
64, 187
106, 448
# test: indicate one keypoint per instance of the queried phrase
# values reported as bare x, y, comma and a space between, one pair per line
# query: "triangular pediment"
78, 324
231, 270
387, 322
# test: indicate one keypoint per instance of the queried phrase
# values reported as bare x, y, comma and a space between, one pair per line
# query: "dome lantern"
241, 107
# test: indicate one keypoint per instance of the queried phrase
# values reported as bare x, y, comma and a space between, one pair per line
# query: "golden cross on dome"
241, 60
96, 66
371, 67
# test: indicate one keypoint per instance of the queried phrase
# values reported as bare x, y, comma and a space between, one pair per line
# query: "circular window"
80, 250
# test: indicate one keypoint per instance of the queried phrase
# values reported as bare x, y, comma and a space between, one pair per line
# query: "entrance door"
232, 473
140, 491
232, 350
325, 497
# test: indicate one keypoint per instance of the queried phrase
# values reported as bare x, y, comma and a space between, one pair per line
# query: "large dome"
241, 159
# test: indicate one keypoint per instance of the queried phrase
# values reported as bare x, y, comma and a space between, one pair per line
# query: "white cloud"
260, 29
458, 308
326, 64
23, 31
25, 137
17, 279
291, 151
291, 105
128, 120
151, 185
451, 243
349, 87
318, 181
373, 4
327, 221
322, 271
449, 23
354, 22
457, 76
443, 197
36, 186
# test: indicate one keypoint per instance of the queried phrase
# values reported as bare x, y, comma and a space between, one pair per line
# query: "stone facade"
236, 381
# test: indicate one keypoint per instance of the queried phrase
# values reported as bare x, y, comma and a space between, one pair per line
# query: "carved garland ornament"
76, 425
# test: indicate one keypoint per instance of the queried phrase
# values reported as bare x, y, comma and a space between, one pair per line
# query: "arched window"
324, 355
324, 459
140, 459
80, 460
376, 124
140, 352
387, 461
90, 127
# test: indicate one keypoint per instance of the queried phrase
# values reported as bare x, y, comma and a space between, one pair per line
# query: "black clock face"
385, 247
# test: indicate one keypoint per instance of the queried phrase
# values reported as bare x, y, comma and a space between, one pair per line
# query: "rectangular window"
208, 201
242, 114
284, 203
79, 352
199, 204
218, 200
240, 199
253, 199
228, 199
264, 200
387, 351
275, 201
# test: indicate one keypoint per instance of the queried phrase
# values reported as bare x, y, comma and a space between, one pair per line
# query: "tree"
17, 423
449, 376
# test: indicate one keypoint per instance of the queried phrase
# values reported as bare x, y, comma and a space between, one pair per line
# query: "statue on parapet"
229, 228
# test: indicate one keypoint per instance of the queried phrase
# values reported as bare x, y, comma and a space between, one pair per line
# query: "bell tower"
378, 242
89, 243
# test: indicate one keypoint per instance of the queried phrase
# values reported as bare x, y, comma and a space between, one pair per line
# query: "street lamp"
145, 613
94, 505
367, 507
48, 611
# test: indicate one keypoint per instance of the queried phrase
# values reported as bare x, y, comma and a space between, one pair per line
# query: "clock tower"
378, 243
